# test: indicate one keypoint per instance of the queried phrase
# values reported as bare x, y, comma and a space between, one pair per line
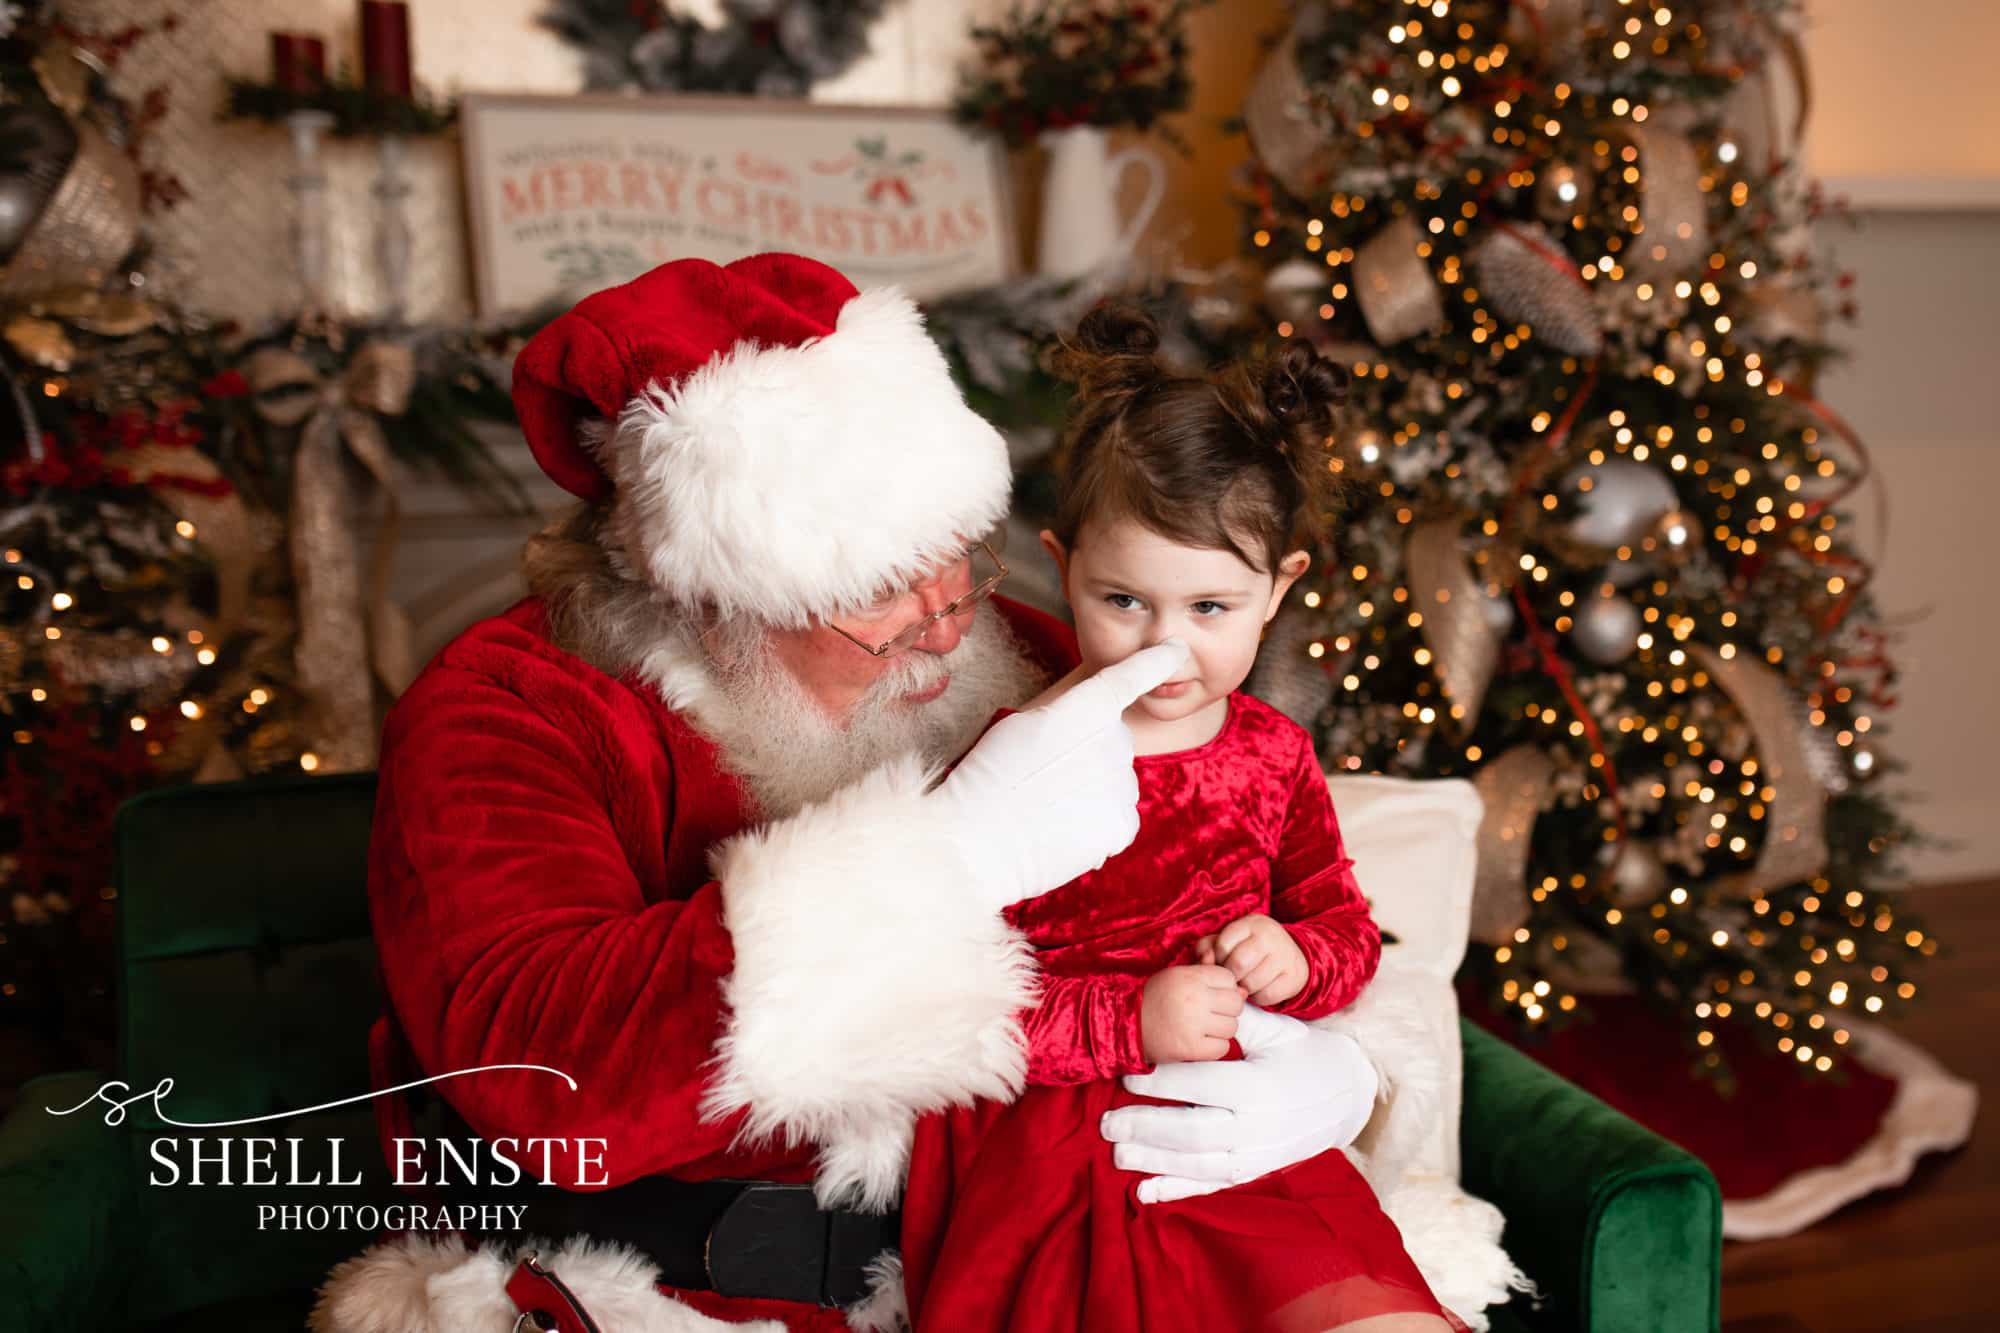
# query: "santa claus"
667, 838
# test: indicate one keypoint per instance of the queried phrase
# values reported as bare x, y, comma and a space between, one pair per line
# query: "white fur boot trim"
419, 1283
886, 1307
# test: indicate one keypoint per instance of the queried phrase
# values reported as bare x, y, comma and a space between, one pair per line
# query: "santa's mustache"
909, 672
783, 743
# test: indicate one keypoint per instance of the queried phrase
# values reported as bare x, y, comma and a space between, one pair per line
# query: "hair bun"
1111, 351
1301, 387
1118, 330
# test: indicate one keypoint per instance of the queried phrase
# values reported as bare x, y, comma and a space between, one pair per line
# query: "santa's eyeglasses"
960, 605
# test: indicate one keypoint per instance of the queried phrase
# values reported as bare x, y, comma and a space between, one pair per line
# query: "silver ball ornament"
1638, 877
1295, 290
1623, 501
1607, 628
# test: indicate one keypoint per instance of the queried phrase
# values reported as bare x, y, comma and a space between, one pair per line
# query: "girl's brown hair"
1224, 461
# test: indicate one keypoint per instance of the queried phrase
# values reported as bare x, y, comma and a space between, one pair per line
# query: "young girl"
1185, 506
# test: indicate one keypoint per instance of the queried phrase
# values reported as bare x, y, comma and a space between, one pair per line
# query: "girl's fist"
1189, 1013
1261, 957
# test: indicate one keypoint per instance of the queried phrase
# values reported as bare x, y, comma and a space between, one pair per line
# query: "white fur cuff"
869, 987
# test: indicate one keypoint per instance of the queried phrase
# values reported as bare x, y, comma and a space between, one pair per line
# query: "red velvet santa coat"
563, 874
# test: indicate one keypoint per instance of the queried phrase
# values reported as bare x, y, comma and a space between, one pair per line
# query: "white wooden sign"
571, 194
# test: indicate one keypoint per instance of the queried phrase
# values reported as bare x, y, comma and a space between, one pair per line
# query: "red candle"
385, 47
298, 62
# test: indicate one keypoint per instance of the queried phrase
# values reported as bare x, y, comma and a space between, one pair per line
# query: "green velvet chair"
247, 975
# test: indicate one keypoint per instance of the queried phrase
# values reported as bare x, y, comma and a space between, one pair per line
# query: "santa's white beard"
792, 754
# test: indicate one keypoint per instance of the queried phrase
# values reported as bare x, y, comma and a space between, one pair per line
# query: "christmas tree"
1595, 556
184, 595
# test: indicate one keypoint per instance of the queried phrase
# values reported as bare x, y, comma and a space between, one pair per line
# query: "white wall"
1923, 390
1904, 109
1904, 101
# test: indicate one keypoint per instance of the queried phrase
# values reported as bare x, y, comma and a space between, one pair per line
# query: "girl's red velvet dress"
1015, 1218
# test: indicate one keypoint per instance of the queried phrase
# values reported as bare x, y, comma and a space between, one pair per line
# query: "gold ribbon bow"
1399, 297
1463, 642
1795, 820
345, 628
1512, 787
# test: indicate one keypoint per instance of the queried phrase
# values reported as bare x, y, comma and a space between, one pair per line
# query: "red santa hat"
775, 442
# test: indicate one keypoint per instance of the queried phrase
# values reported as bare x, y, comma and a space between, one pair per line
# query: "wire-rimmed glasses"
909, 634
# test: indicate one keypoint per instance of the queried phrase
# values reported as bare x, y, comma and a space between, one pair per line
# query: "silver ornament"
1498, 612
1607, 628
1295, 290
1638, 876
1562, 190
1623, 501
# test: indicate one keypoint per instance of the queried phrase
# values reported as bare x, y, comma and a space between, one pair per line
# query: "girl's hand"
1188, 1013
1260, 955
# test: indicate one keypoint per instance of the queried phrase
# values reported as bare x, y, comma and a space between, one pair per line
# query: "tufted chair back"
246, 975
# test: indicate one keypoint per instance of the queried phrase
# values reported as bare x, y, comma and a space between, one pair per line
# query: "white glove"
1297, 1092
1051, 793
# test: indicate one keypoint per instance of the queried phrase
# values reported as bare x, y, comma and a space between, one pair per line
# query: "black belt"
734, 1237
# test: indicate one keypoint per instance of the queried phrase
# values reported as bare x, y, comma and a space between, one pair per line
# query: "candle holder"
392, 228
309, 225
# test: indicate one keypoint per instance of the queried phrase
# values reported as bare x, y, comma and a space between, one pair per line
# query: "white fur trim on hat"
787, 482
868, 988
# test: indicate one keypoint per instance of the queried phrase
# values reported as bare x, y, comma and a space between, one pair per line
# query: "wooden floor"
1927, 1256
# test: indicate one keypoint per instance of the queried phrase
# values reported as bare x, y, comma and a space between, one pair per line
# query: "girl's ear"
1060, 554
1290, 569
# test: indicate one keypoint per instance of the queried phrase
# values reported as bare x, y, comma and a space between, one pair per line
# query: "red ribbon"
1559, 671
1858, 572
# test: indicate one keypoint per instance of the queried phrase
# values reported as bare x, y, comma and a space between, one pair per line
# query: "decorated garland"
1122, 64
356, 109
769, 48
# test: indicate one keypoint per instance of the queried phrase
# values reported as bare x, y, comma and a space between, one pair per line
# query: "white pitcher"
1080, 228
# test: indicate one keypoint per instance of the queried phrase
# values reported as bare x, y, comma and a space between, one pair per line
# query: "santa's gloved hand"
1297, 1091
1051, 793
